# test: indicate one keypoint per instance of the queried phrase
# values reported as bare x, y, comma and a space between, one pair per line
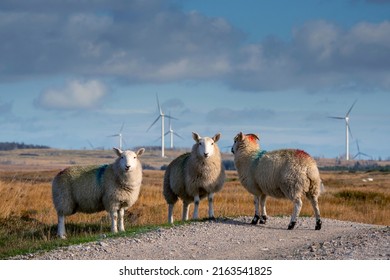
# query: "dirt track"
237, 239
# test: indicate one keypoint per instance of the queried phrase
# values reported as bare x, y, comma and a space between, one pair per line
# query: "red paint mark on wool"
252, 137
300, 153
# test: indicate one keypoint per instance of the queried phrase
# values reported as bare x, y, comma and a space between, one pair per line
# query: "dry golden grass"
28, 219
27, 195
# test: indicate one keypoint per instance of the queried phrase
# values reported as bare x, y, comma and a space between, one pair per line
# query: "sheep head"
244, 140
128, 160
205, 145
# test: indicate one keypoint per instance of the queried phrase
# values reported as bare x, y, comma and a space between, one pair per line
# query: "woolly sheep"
195, 175
287, 173
89, 189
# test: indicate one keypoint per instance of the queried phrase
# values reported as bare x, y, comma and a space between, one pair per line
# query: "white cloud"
74, 95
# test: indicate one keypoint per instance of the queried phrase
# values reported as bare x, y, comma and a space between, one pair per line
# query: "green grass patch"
26, 236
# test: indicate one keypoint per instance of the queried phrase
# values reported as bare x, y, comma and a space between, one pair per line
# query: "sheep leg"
170, 213
297, 210
211, 206
121, 219
61, 227
314, 203
114, 221
263, 218
196, 208
256, 218
186, 207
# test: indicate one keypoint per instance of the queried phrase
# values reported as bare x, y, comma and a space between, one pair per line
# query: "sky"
74, 72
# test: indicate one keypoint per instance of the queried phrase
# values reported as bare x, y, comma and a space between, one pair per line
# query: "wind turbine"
119, 134
359, 152
172, 132
162, 116
347, 129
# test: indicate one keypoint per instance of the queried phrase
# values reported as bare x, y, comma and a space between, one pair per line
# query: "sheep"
89, 189
193, 176
286, 173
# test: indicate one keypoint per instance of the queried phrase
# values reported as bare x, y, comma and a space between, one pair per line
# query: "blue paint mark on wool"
260, 154
100, 173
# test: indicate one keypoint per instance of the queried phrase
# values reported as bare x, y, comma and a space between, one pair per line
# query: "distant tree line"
8, 146
358, 167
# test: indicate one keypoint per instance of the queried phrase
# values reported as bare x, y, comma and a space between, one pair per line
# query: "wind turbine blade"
350, 109
153, 123
114, 135
165, 134
158, 105
366, 155
349, 129
178, 135
338, 118
170, 117
357, 144
123, 124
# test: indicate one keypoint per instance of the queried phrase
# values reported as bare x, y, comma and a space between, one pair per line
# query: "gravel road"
236, 239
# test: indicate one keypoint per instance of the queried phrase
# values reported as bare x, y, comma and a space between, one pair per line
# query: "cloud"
140, 41
156, 42
321, 55
227, 115
74, 95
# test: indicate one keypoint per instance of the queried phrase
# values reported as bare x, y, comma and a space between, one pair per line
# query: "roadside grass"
28, 219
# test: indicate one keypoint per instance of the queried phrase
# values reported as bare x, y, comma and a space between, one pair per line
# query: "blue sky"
72, 73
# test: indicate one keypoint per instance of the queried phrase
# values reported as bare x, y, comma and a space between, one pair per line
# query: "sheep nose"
206, 155
232, 151
127, 167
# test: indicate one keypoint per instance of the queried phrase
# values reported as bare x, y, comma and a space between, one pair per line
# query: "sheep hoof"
318, 224
291, 225
255, 220
212, 218
263, 219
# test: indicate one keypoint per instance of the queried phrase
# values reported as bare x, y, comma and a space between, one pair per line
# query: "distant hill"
7, 146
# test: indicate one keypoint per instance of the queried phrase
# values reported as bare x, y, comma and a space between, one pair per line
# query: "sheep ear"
216, 137
118, 151
241, 136
140, 152
195, 136
255, 136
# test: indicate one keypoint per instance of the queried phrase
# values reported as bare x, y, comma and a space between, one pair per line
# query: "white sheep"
287, 173
89, 189
193, 176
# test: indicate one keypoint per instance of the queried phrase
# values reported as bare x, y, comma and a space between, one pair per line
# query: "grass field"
28, 219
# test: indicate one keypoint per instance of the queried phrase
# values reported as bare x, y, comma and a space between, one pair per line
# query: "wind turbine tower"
171, 132
119, 134
347, 129
162, 116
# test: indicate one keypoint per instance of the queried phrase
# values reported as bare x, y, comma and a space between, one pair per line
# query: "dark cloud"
141, 41
155, 42
320, 55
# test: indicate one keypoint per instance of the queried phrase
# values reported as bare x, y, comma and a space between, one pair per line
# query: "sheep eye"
212, 143
200, 144
135, 157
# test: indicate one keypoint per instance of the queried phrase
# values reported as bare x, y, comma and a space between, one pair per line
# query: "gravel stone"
236, 238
